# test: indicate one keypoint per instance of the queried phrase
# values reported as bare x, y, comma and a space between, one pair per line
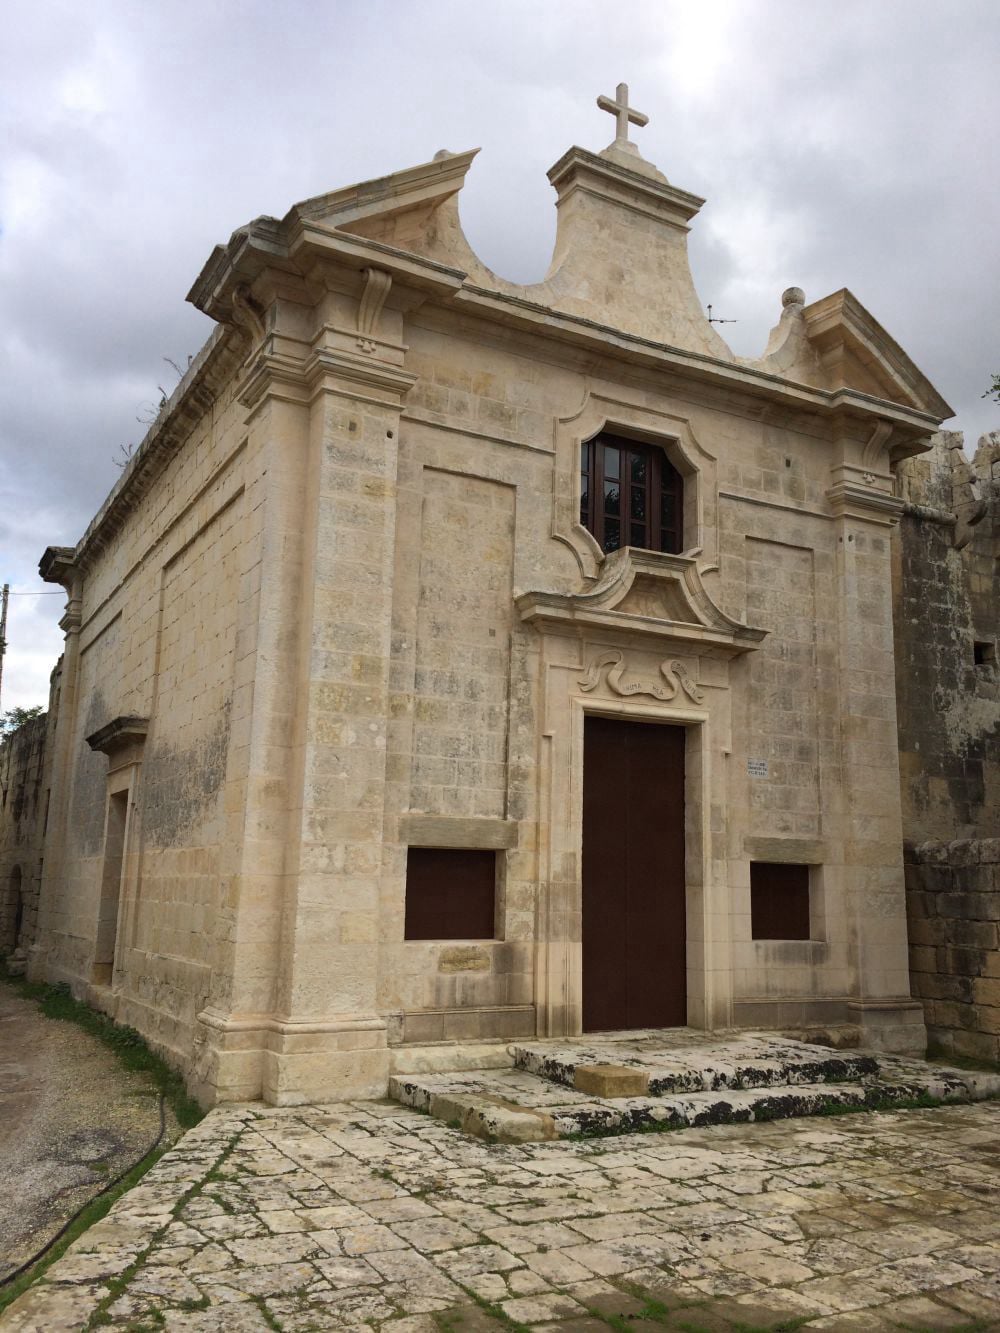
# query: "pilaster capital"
854, 498
323, 370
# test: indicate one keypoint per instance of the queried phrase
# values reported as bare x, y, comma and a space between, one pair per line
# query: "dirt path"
71, 1119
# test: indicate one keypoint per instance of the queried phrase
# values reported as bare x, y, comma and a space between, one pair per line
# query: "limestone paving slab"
866, 1221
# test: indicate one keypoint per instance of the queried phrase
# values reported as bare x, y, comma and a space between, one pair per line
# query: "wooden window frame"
661, 482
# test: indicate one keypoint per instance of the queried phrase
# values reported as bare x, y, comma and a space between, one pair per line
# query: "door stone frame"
647, 643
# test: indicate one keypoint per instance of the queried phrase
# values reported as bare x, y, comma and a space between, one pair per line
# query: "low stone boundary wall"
953, 913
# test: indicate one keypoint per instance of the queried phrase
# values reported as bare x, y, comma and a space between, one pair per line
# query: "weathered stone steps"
722, 1065
518, 1105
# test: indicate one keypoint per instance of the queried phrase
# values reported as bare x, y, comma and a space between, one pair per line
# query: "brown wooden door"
634, 935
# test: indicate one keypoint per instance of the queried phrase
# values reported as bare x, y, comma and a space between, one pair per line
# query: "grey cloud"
837, 146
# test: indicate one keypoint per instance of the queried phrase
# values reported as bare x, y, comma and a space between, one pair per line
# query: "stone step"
443, 1058
652, 1069
514, 1105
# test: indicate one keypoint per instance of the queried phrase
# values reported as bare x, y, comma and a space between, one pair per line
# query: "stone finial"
443, 154
793, 296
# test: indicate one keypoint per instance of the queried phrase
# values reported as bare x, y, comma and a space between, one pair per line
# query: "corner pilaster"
328, 1040
870, 818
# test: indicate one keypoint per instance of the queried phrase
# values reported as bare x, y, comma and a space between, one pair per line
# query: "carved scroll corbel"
248, 315
872, 459
377, 284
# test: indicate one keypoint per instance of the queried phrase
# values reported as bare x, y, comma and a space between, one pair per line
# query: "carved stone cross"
623, 113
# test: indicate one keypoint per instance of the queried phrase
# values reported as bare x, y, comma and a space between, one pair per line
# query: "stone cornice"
295, 246
849, 499
635, 185
518, 312
644, 595
324, 369
117, 734
195, 394
298, 244
426, 183
58, 565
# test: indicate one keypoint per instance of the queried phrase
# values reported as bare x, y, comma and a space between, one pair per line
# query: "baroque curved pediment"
645, 595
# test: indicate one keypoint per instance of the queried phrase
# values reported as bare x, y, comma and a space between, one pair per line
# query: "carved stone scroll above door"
675, 674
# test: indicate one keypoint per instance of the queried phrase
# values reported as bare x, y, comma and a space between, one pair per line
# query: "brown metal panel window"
450, 894
630, 495
779, 901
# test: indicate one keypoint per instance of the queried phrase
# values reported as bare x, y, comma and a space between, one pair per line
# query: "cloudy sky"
851, 145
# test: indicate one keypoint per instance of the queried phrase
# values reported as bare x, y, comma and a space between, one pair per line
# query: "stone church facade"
458, 661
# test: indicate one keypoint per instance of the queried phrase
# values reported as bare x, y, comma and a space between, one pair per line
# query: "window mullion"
653, 498
597, 498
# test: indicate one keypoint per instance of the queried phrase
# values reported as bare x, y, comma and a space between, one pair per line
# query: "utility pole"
3, 627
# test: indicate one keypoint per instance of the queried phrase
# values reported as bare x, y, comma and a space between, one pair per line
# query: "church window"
450, 894
630, 495
779, 901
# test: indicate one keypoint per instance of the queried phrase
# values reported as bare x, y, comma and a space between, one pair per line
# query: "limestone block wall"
953, 910
25, 790
153, 633
815, 709
474, 520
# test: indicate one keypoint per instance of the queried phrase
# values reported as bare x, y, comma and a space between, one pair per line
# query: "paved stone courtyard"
373, 1215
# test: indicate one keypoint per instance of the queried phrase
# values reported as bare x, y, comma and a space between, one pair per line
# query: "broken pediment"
646, 595
856, 352
620, 259
836, 344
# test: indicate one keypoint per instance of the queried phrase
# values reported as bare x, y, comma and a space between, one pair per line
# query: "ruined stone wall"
948, 688
947, 677
953, 908
25, 782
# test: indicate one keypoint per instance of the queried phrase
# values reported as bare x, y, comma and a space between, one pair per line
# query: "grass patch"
266, 1314
937, 1055
91, 1214
130, 1048
116, 1285
653, 1312
133, 1053
619, 1131
446, 1319
923, 1101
